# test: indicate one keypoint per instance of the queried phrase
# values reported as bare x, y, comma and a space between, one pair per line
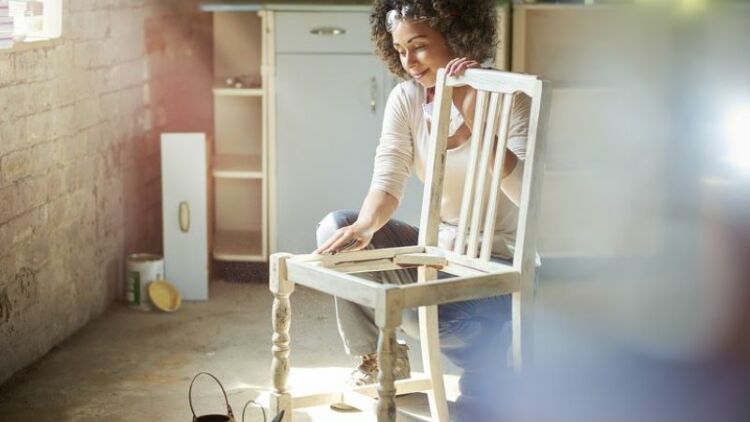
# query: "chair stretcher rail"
351, 288
459, 289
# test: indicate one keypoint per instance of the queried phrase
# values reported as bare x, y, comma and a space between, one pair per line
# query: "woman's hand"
350, 238
457, 66
463, 97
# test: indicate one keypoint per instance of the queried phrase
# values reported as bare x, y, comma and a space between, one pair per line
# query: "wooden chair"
469, 260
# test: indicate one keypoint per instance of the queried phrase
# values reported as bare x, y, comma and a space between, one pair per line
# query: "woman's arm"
393, 159
377, 208
517, 136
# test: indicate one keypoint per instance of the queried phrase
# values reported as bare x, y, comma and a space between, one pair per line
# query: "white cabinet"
330, 92
326, 138
184, 212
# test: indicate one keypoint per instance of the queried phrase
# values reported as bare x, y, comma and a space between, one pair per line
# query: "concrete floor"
131, 365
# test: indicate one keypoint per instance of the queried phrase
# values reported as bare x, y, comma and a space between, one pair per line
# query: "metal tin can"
142, 269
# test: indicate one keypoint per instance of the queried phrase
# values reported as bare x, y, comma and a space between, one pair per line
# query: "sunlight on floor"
305, 381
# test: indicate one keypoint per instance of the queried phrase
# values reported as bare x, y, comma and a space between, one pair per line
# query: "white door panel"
327, 133
183, 161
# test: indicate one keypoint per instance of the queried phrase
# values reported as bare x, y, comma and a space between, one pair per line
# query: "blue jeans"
474, 334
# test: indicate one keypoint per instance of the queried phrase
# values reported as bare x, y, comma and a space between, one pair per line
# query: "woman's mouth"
419, 76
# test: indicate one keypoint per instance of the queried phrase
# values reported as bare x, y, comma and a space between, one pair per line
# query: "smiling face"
422, 51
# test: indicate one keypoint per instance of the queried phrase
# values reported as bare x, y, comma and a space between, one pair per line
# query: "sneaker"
367, 371
402, 368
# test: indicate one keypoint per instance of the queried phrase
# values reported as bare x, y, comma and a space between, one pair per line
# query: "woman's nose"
410, 58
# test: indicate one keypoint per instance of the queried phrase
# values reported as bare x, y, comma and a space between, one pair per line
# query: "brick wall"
80, 185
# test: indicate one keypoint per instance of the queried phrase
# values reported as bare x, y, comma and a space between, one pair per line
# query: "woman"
416, 38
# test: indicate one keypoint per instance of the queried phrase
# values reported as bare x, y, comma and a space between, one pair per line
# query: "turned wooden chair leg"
386, 387
280, 399
388, 318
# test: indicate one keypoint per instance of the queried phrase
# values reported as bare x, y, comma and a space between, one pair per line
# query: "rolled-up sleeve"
395, 153
517, 136
519, 125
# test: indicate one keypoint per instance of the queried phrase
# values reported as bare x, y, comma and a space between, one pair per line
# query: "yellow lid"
164, 295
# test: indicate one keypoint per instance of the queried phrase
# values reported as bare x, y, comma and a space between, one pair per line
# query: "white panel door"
329, 114
184, 212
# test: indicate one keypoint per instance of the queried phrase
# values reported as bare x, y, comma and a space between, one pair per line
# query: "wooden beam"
459, 289
366, 266
363, 255
473, 263
417, 259
435, 166
478, 209
496, 191
487, 80
335, 283
407, 386
480, 117
459, 270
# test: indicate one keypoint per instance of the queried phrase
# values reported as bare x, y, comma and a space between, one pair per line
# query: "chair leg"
280, 399
522, 313
431, 356
386, 387
388, 318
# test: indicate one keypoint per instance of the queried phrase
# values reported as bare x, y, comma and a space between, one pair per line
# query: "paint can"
142, 269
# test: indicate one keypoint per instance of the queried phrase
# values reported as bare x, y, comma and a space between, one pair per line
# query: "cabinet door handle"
184, 217
328, 31
373, 94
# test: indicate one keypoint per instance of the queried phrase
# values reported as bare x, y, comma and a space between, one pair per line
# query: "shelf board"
235, 166
225, 6
238, 92
238, 245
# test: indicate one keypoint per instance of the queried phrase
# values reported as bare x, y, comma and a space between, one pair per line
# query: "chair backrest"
492, 115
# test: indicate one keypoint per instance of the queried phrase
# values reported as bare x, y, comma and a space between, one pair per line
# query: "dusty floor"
131, 365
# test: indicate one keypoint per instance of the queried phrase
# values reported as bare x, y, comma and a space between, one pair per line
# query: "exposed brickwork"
80, 181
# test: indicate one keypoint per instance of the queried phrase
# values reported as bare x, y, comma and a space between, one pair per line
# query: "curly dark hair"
469, 26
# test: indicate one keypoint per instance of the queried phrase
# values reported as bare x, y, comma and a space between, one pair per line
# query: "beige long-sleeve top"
404, 148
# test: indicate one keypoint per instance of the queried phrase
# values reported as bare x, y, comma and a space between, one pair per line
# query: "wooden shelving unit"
237, 245
235, 166
239, 150
238, 92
